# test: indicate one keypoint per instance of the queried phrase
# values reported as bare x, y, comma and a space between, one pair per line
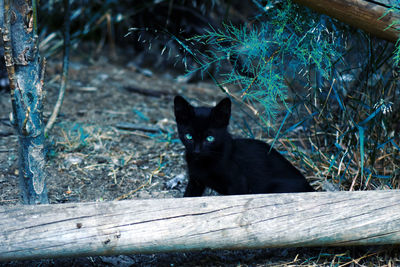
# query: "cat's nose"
197, 149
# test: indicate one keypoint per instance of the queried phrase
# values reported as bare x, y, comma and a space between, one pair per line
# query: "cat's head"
202, 130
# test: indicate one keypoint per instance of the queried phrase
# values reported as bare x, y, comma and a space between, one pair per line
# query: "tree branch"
64, 77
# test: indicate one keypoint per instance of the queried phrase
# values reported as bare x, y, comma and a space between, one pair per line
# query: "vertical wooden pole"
26, 70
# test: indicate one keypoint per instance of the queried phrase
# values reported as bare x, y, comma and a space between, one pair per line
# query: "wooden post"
222, 222
26, 75
365, 15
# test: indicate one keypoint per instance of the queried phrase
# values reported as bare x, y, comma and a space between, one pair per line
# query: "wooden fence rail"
223, 222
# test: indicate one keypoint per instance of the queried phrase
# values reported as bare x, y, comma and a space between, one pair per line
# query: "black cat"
230, 166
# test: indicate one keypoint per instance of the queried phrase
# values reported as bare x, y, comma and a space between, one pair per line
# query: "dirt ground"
97, 153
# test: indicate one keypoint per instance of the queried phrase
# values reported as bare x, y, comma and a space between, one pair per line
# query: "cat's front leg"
194, 189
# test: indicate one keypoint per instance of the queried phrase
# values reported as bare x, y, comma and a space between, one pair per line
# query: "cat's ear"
222, 112
182, 109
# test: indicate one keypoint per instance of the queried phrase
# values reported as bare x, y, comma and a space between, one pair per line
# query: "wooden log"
361, 14
222, 222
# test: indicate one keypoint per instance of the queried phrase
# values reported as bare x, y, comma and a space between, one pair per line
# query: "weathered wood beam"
360, 14
223, 222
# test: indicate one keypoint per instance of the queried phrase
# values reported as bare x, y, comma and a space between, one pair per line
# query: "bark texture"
222, 222
26, 71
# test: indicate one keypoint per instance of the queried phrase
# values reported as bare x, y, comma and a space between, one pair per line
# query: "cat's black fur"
230, 166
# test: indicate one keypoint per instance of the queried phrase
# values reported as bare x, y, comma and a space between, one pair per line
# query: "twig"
139, 127
148, 92
256, 76
113, 53
360, 258
64, 77
148, 182
253, 110
327, 98
6, 150
124, 196
110, 34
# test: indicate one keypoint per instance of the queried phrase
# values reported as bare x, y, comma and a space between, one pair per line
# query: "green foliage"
258, 52
343, 84
395, 9
166, 136
397, 52
140, 115
76, 136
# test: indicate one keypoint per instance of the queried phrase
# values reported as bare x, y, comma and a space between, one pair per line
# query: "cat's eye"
188, 136
210, 138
